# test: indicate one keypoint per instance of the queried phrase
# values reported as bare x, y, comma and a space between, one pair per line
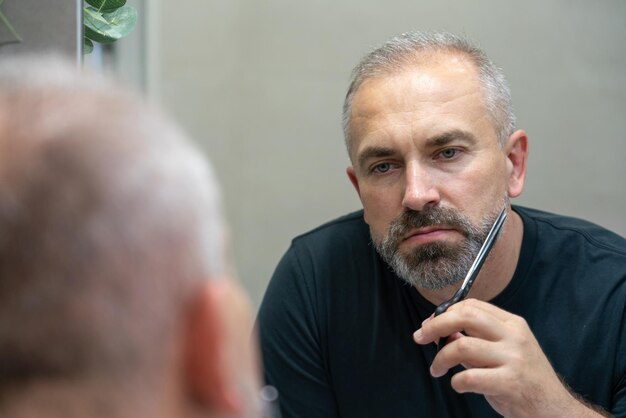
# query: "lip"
428, 234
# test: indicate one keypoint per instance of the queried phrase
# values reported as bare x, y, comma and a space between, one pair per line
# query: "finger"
474, 321
485, 381
509, 324
470, 351
454, 337
488, 308
417, 335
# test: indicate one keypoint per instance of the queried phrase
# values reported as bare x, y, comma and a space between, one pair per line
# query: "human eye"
449, 153
381, 168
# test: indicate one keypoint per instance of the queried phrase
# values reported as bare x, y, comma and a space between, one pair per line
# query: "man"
116, 298
435, 157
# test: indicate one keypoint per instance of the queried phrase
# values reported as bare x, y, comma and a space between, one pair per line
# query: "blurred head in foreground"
116, 297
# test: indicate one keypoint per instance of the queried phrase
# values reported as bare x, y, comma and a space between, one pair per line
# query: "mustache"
430, 216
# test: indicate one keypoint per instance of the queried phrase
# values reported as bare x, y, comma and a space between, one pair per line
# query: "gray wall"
43, 26
260, 85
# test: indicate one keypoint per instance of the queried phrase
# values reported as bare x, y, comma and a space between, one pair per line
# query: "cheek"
496, 181
380, 207
484, 186
475, 189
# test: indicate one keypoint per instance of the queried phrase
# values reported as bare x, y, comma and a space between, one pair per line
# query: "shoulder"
318, 262
344, 232
567, 230
346, 223
340, 248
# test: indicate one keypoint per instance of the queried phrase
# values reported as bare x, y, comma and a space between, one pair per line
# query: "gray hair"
406, 49
109, 219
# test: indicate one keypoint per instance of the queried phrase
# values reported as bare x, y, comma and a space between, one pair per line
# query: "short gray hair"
404, 50
110, 219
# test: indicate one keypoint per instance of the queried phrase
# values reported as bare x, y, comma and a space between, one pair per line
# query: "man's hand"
503, 361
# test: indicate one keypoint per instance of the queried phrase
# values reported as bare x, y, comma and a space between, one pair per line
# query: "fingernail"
435, 374
417, 335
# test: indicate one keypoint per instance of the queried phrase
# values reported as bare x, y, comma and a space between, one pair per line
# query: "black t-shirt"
336, 323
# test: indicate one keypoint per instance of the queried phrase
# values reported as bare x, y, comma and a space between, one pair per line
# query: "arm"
290, 343
503, 361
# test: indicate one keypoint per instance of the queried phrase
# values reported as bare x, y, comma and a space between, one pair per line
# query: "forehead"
444, 77
440, 90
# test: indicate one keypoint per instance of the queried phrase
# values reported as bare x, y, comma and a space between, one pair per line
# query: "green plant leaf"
107, 28
10, 27
106, 5
87, 46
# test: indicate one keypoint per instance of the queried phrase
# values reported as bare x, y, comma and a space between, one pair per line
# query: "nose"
420, 189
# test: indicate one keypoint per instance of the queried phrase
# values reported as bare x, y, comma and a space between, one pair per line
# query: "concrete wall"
260, 85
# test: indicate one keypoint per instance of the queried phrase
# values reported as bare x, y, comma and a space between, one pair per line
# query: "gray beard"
436, 265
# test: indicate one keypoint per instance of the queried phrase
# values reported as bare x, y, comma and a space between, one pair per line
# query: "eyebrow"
374, 152
451, 136
436, 141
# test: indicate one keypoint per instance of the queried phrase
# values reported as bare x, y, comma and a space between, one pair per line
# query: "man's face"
428, 168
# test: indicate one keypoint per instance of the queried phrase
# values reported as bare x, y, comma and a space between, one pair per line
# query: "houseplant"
106, 21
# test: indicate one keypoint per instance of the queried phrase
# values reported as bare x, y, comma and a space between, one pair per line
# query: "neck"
498, 269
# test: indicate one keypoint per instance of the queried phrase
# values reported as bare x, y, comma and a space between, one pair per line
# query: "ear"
516, 149
355, 182
208, 378
353, 179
